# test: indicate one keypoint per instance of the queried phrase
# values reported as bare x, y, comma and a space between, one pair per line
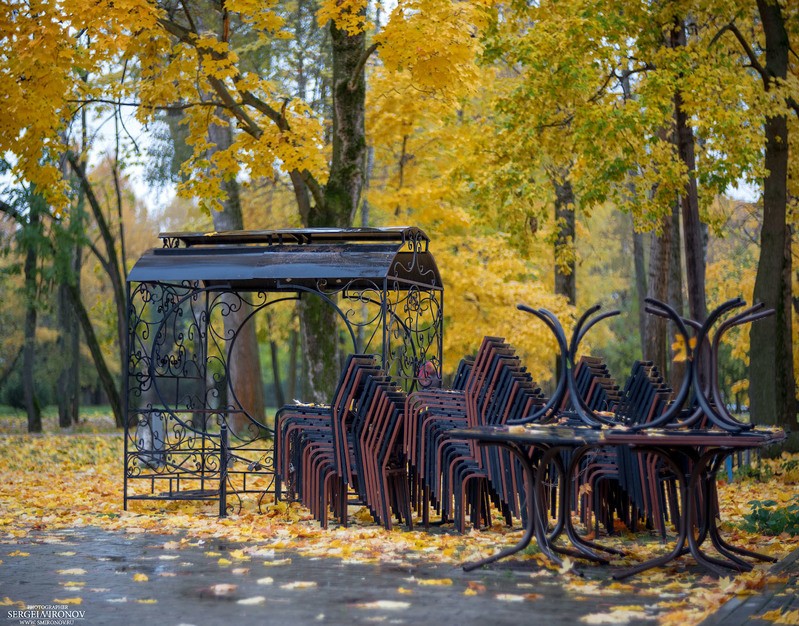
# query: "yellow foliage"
349, 15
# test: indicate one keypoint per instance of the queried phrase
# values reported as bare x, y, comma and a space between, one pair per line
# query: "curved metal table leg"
683, 528
584, 545
715, 536
533, 527
552, 456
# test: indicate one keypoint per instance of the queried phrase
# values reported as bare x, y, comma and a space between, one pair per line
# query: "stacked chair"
454, 476
353, 445
395, 452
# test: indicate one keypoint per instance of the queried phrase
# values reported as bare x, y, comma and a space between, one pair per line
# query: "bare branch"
170, 107
188, 16
352, 85
11, 212
316, 189
750, 53
248, 98
794, 105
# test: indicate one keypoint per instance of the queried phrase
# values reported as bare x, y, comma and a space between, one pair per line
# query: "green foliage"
759, 473
769, 518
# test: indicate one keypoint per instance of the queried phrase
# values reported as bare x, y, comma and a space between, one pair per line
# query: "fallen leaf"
299, 584
475, 586
388, 605
67, 600
566, 566
239, 555
75, 571
778, 617
18, 553
220, 589
147, 601
253, 600
141, 578
267, 580
434, 582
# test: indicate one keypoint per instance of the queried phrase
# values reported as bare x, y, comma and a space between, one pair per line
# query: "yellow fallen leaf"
778, 617
224, 561
434, 582
239, 555
69, 553
212, 553
299, 584
67, 600
75, 571
147, 601
277, 562
140, 578
9, 602
404, 591
18, 553
72, 583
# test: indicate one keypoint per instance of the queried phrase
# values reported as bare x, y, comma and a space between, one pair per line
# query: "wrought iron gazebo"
188, 436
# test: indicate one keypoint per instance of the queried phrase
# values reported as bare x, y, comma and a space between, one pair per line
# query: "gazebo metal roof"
280, 259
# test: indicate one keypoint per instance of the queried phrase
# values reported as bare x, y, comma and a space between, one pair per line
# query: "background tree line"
558, 153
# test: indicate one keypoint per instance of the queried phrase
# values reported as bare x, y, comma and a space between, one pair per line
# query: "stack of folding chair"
308, 450
428, 416
378, 451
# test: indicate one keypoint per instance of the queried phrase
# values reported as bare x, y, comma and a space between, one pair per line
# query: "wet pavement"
147, 579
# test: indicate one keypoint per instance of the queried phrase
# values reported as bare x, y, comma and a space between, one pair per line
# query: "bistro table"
705, 449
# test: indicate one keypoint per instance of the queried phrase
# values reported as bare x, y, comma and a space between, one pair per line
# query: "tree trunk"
772, 390
106, 378
689, 199
68, 384
244, 366
677, 369
655, 336
29, 352
565, 274
280, 398
294, 348
340, 201
640, 285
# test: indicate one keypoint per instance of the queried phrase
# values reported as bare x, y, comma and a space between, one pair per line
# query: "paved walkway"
779, 596
148, 579
192, 587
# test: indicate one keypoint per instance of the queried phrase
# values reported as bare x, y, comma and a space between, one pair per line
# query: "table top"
535, 434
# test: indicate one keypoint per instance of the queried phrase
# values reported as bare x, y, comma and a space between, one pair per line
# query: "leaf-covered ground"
50, 483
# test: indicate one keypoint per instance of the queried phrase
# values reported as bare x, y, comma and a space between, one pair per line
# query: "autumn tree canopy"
498, 126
